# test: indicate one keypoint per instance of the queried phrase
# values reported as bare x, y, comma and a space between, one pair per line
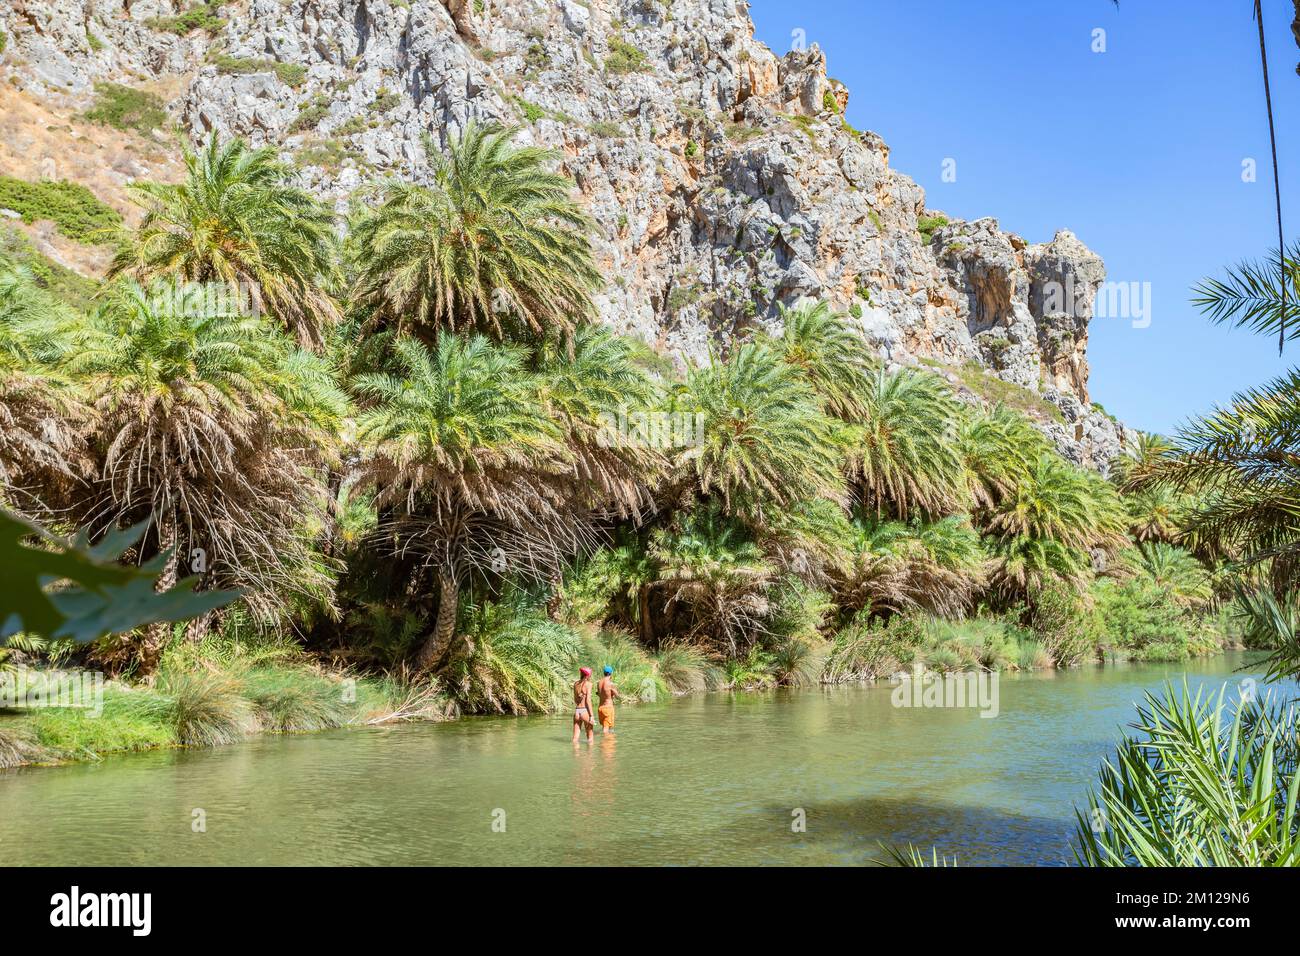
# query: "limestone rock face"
723, 178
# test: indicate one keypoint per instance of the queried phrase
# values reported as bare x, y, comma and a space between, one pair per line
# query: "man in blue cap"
608, 693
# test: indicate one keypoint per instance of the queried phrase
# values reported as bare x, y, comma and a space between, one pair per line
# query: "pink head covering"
585, 671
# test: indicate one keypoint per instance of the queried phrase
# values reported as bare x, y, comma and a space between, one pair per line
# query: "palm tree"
212, 425
830, 353
1142, 453
1243, 461
903, 452
592, 386
236, 219
1156, 514
496, 244
1050, 522
766, 443
711, 565
999, 450
1174, 571
470, 468
1061, 503
897, 566
41, 413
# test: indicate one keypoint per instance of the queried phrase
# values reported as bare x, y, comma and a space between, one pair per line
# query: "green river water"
709, 779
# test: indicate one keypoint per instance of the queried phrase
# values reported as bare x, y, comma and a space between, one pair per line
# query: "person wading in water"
582, 711
608, 694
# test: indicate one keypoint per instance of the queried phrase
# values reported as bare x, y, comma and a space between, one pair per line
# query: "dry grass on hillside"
39, 140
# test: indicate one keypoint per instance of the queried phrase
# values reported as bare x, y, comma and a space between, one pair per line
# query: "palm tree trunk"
156, 635
643, 610
435, 648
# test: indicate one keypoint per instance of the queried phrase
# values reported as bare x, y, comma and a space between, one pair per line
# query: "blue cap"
608, 669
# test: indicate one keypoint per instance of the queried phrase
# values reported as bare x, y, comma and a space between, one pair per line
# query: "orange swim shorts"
606, 712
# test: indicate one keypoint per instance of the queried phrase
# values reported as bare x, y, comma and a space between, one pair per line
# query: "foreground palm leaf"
1243, 461
69, 589
1272, 623
1253, 296
1198, 785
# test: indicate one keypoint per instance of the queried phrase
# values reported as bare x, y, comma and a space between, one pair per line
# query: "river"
722, 778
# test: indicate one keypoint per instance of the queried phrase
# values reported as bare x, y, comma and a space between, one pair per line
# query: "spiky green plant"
686, 667
294, 700
512, 660
1200, 783
205, 708
496, 244
912, 856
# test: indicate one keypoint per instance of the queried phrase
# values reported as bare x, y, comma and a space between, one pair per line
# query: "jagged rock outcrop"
724, 178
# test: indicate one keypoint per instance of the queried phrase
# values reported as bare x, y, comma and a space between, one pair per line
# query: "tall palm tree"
903, 452
41, 412
1176, 572
766, 443
897, 566
496, 244
1063, 503
237, 219
469, 466
215, 427
830, 353
711, 565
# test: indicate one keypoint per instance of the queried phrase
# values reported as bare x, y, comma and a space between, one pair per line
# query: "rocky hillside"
724, 178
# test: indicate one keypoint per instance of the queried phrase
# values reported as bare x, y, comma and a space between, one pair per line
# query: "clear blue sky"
1138, 150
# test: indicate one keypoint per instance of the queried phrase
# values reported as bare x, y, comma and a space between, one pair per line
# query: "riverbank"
205, 697
222, 692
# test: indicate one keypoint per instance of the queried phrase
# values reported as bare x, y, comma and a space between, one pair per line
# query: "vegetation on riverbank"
215, 692
418, 455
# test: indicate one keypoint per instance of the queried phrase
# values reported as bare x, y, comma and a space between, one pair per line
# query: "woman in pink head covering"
582, 713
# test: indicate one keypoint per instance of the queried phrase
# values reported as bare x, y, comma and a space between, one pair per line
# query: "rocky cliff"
724, 179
